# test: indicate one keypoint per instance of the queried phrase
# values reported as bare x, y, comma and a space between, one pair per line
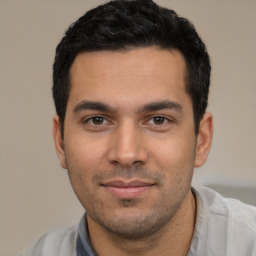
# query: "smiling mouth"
127, 190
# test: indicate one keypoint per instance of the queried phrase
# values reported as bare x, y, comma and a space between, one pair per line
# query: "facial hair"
134, 223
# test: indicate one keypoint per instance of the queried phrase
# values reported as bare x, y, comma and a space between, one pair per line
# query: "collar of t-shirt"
84, 247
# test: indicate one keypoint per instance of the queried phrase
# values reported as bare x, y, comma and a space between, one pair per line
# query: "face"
129, 142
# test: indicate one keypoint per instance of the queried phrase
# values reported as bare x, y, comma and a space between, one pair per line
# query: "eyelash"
93, 118
164, 120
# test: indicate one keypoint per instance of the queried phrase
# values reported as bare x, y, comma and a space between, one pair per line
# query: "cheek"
82, 155
174, 155
83, 161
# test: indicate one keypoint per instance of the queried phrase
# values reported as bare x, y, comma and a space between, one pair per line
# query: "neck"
173, 239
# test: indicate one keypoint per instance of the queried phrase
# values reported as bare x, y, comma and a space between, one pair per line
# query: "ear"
59, 144
204, 139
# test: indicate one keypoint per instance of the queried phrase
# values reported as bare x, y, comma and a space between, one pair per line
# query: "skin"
130, 150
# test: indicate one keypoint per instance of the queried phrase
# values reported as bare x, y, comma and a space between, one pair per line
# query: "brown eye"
158, 120
97, 123
96, 120
159, 123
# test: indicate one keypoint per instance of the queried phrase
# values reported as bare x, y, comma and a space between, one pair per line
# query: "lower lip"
127, 192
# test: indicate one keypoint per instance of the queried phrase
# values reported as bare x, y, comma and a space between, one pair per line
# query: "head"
130, 87
122, 25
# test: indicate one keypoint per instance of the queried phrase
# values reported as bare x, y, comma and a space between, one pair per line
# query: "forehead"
136, 74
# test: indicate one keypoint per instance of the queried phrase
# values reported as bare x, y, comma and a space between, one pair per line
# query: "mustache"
133, 172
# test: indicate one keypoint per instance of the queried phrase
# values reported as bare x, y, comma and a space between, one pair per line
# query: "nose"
127, 147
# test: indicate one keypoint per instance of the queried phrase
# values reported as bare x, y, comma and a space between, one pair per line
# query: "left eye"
158, 120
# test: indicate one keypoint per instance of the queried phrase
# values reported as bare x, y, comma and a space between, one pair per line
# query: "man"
130, 85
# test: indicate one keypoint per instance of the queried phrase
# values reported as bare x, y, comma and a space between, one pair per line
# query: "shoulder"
243, 214
60, 242
228, 223
238, 212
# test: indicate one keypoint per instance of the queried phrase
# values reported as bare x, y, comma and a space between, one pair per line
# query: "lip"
127, 189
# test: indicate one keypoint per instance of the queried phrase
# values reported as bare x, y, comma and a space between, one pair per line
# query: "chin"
134, 224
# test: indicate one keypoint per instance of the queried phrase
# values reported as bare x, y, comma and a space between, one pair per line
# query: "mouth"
127, 189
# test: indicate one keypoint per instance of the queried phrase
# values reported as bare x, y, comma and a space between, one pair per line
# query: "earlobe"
58, 141
204, 139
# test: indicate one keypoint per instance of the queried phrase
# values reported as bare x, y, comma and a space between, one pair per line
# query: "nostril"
126, 146
128, 160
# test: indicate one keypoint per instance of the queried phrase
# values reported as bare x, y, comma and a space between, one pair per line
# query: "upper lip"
127, 184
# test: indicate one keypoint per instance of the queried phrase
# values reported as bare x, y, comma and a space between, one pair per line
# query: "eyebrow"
159, 105
92, 105
149, 107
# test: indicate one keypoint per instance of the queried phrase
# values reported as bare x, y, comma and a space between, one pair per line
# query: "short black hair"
124, 24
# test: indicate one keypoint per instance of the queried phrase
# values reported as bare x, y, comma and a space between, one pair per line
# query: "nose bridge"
127, 145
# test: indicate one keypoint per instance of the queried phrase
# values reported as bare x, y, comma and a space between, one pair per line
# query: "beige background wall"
35, 195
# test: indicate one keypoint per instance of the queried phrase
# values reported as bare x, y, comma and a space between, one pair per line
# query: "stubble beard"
136, 227
138, 224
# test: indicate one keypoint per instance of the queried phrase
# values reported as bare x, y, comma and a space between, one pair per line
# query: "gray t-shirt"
224, 227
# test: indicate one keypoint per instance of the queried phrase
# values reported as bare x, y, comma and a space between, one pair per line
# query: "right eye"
96, 120
96, 123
